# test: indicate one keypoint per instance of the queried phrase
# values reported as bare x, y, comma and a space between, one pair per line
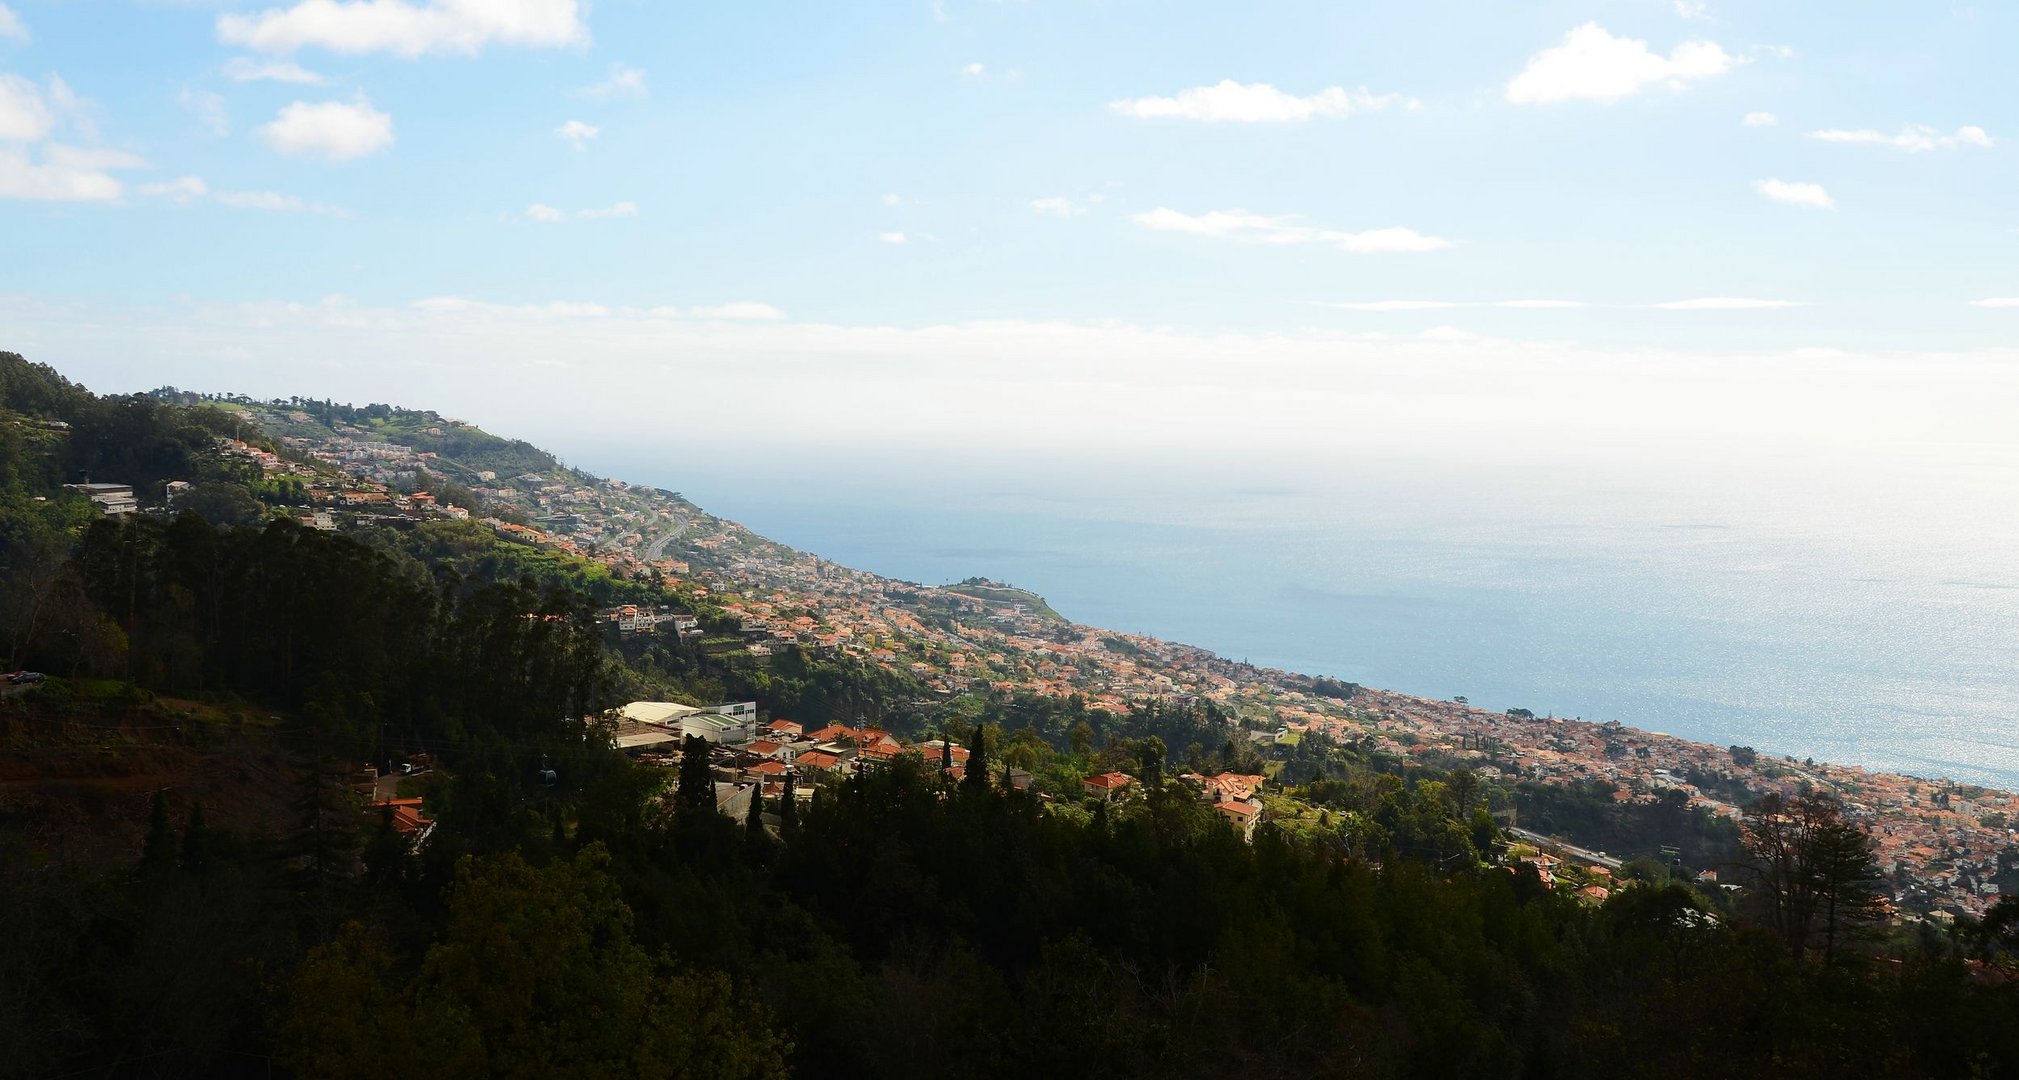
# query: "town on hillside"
1943, 845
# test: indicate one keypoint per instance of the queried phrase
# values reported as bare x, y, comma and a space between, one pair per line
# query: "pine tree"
753, 822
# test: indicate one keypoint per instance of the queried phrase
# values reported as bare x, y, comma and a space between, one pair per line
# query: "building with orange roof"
1108, 785
819, 760
406, 818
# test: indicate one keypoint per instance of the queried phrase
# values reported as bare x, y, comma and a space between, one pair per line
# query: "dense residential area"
1947, 849
347, 741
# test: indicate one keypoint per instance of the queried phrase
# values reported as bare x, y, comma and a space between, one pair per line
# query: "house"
1244, 815
881, 752
406, 819
833, 733
784, 729
769, 769
1108, 785
820, 761
1233, 785
112, 499
1545, 868
937, 751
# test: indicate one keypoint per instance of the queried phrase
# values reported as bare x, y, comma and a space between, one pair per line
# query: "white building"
728, 725
114, 499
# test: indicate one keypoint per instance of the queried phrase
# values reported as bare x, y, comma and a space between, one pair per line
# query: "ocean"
1866, 620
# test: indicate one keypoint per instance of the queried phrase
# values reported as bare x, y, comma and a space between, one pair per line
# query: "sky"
1612, 230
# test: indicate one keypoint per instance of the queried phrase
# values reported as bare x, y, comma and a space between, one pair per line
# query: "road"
1572, 850
656, 550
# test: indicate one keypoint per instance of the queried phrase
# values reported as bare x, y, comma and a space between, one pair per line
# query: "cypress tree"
977, 761
695, 788
788, 814
753, 822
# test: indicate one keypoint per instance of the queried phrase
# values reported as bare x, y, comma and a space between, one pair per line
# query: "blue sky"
1629, 210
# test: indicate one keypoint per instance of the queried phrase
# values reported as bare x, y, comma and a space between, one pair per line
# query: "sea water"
1814, 623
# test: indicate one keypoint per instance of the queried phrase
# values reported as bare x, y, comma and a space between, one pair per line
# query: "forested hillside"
190, 886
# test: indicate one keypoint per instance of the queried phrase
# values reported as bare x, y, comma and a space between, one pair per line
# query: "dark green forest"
575, 913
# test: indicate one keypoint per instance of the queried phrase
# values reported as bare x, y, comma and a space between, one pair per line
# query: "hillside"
965, 840
996, 592
980, 648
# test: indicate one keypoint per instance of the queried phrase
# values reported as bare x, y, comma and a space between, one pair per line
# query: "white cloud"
181, 190
1725, 303
1760, 119
1448, 333
35, 168
541, 212
275, 202
738, 309
1593, 65
1795, 193
578, 133
331, 130
623, 81
64, 174
458, 27
245, 69
1997, 302
557, 309
1434, 305
1913, 139
1057, 206
1246, 227
973, 71
208, 108
1033, 391
892, 238
1256, 103
10, 25
1692, 9
24, 115
184, 190
891, 199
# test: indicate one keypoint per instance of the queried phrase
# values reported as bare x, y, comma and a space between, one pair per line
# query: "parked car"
26, 678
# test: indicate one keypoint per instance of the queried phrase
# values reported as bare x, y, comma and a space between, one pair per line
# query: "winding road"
656, 550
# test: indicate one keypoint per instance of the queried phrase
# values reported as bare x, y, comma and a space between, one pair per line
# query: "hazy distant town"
1943, 844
